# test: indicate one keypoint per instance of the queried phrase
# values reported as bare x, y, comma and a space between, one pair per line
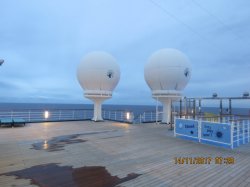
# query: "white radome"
98, 71
167, 70
167, 73
98, 74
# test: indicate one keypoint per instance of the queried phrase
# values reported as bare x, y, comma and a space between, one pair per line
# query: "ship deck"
84, 153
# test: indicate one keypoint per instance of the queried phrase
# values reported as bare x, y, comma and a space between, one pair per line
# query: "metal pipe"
194, 108
230, 107
180, 108
221, 110
171, 116
199, 106
186, 109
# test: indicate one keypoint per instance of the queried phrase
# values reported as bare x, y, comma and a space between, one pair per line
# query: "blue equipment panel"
186, 128
216, 133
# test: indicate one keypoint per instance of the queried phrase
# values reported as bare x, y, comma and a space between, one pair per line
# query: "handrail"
40, 115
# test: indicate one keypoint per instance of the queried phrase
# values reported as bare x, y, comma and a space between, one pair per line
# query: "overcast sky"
43, 41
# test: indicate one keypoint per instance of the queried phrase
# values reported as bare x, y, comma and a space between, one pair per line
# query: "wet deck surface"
112, 154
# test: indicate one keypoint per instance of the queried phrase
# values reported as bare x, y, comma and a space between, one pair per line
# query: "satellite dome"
98, 71
98, 74
167, 70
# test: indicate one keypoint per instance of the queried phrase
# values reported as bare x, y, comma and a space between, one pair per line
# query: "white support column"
166, 116
97, 109
98, 100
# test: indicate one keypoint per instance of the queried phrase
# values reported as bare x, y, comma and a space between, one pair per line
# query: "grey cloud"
43, 42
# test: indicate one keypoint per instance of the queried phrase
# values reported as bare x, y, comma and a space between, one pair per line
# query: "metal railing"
148, 117
240, 133
39, 115
217, 118
47, 115
118, 115
64, 115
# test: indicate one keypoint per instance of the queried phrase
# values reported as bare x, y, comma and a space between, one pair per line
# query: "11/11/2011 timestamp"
204, 160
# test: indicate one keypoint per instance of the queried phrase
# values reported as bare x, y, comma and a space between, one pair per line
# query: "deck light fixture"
128, 116
46, 114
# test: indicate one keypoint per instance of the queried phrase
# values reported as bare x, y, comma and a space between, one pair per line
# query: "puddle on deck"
52, 175
59, 142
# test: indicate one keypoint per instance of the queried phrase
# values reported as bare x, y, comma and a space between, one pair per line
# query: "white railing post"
73, 114
11, 115
243, 131
238, 133
151, 115
199, 130
232, 135
60, 112
175, 127
248, 130
29, 115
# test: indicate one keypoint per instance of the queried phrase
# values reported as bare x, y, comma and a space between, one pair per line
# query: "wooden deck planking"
147, 149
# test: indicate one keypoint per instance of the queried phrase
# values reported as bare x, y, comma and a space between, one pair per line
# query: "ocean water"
136, 109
